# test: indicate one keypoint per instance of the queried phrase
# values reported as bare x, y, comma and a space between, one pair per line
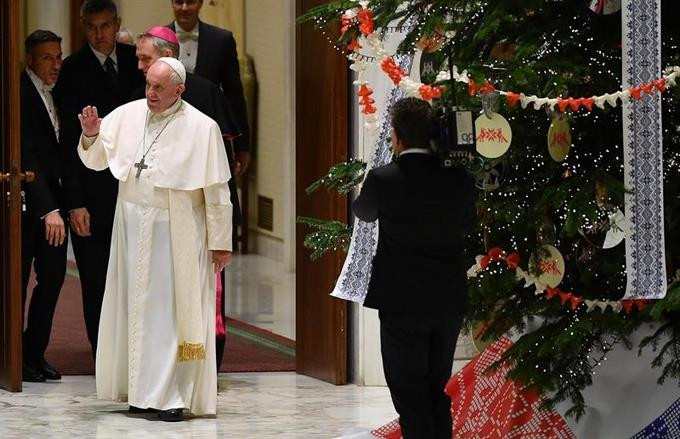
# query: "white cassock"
157, 329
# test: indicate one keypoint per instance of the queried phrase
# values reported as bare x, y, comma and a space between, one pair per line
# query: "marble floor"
262, 294
250, 405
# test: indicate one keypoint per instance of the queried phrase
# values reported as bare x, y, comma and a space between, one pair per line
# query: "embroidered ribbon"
643, 147
353, 282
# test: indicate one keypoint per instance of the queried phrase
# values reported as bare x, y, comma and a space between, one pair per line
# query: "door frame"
322, 140
10, 211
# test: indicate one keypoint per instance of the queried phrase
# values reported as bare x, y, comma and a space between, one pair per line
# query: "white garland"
540, 288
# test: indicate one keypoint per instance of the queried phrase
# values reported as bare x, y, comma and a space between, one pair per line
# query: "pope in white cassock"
173, 218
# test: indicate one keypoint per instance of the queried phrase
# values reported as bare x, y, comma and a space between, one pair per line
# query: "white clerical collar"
168, 111
39, 83
415, 151
102, 58
180, 30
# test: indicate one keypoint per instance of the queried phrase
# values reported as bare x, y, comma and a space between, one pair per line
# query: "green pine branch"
329, 235
341, 177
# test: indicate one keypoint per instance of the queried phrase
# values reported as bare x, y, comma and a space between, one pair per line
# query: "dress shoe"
136, 410
172, 415
50, 372
31, 374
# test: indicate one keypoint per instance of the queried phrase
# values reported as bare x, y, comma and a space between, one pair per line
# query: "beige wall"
139, 15
270, 42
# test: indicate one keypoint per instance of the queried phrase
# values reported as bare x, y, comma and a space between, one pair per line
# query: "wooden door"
321, 141
10, 187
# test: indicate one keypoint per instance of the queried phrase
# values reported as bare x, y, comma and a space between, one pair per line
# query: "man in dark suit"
210, 52
102, 74
418, 278
206, 97
43, 233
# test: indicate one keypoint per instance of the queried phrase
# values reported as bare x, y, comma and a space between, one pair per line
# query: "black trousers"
92, 257
417, 355
50, 268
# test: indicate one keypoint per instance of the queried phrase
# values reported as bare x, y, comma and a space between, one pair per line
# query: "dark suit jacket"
83, 82
424, 212
207, 98
39, 153
217, 61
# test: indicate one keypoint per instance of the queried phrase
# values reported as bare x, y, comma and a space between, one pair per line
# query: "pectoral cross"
140, 167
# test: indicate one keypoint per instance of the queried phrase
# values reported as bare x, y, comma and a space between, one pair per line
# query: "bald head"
164, 86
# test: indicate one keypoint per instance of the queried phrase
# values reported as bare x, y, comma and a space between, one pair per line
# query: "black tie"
111, 71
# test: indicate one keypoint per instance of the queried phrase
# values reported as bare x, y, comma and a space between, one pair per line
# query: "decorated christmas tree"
543, 79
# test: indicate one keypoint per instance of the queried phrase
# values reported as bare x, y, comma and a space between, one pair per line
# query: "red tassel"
364, 90
513, 98
472, 87
648, 88
564, 297
660, 84
496, 253
576, 301
512, 260
588, 103
487, 88
575, 104
552, 292
635, 92
563, 104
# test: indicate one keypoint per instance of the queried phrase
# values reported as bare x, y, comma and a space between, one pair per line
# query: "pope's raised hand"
90, 121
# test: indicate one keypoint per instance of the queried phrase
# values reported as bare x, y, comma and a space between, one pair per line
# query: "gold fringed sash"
187, 273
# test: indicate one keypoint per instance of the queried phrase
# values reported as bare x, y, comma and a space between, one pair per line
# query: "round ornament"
493, 135
491, 176
604, 7
607, 231
548, 263
559, 138
427, 67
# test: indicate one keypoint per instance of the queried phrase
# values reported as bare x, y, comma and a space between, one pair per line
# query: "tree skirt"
624, 401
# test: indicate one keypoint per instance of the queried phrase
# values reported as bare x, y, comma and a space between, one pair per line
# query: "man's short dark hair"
38, 37
92, 7
413, 120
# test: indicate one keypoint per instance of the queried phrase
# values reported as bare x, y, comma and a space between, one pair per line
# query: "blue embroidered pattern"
356, 272
645, 256
666, 426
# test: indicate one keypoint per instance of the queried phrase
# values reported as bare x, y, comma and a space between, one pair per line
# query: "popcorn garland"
428, 92
359, 64
512, 261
